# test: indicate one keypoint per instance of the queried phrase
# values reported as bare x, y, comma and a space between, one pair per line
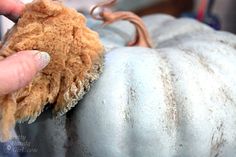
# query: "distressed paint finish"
177, 100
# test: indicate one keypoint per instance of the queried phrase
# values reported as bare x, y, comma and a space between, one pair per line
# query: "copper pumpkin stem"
107, 16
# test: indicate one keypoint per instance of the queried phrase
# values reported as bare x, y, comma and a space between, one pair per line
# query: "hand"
11, 8
18, 70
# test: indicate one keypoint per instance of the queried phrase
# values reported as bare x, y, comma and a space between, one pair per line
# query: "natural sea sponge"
76, 61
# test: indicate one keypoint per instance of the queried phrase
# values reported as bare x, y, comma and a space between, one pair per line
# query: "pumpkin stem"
107, 16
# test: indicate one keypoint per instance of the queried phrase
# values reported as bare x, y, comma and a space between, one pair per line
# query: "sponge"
76, 61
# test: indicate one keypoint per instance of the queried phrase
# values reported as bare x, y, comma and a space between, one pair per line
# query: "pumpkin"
174, 100
177, 99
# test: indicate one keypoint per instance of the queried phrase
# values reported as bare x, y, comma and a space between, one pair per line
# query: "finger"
19, 69
11, 8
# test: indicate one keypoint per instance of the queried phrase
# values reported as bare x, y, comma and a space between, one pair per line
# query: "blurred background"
220, 11
220, 14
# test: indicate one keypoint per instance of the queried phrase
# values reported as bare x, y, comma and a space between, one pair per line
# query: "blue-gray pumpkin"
175, 100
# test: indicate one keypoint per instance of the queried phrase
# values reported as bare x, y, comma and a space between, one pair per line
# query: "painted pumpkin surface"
177, 99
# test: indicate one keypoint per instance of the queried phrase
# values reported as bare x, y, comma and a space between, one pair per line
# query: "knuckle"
24, 72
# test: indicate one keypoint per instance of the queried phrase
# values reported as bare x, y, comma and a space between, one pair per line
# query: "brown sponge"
76, 61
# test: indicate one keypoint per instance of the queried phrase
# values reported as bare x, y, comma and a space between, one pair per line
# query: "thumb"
18, 70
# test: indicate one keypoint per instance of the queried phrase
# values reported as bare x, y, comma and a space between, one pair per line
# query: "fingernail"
19, 2
43, 58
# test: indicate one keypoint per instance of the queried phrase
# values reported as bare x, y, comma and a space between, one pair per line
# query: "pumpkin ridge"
170, 99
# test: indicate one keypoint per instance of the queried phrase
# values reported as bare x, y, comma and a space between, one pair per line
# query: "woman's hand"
18, 70
11, 8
